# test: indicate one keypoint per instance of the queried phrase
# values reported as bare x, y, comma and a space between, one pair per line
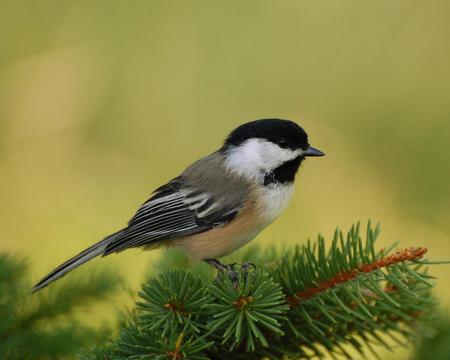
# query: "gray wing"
176, 209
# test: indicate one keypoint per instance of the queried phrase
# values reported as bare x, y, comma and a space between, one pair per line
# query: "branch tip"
399, 256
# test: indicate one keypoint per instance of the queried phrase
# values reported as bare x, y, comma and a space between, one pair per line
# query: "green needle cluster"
49, 324
316, 299
242, 311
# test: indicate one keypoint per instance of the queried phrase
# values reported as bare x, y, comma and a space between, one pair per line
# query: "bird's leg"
216, 264
230, 269
247, 266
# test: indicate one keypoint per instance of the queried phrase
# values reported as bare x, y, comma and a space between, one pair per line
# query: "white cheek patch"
255, 157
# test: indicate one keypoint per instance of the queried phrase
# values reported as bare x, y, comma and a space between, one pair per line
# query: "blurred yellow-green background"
103, 101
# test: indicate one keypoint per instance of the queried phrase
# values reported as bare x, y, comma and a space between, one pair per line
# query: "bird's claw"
230, 269
247, 266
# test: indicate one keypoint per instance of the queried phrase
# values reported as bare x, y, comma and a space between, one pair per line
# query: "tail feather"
81, 258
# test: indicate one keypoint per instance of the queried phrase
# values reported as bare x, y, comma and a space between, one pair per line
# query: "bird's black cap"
284, 132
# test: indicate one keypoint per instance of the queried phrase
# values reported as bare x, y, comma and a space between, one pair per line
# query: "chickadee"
219, 203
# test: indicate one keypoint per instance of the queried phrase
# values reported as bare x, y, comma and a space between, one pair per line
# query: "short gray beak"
312, 152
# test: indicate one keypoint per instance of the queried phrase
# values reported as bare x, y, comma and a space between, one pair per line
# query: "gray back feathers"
210, 176
204, 196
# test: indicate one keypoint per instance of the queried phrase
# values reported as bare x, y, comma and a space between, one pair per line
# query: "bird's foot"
230, 269
247, 266
216, 264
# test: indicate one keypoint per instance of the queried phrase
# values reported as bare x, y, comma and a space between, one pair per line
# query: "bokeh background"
103, 101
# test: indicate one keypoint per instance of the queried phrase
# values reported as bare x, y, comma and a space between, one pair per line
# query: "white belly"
273, 200
222, 240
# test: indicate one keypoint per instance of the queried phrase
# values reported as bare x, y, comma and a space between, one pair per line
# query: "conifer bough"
311, 302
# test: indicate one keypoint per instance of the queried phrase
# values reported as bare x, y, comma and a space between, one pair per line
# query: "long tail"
81, 258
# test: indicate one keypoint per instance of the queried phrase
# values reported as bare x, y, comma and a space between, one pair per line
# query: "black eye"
282, 143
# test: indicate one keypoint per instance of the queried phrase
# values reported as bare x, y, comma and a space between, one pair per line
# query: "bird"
217, 204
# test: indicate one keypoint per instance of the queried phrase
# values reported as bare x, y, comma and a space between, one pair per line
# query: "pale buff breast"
258, 213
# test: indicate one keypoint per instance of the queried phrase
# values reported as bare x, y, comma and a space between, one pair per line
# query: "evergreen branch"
244, 312
43, 326
312, 302
352, 289
66, 297
174, 298
403, 255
